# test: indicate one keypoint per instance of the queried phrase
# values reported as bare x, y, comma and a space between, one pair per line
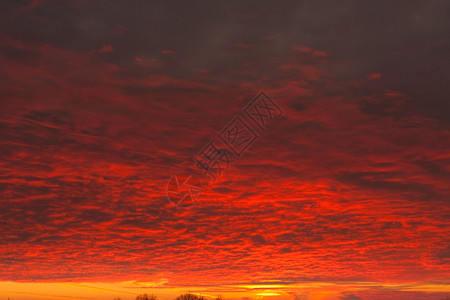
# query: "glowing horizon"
128, 290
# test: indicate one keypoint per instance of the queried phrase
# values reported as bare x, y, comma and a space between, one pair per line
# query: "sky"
108, 108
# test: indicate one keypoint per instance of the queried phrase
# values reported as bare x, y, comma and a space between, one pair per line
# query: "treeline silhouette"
187, 296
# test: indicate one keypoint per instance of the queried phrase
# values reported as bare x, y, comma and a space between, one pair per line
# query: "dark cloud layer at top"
103, 101
405, 41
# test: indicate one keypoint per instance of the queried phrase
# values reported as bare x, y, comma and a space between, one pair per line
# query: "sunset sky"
345, 195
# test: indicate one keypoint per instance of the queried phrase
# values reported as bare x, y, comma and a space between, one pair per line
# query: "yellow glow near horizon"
268, 294
263, 286
426, 288
127, 290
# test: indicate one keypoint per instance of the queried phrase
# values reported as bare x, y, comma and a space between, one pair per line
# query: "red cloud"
346, 186
106, 49
168, 52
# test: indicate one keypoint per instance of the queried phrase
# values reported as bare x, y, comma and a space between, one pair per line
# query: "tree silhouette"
190, 296
146, 297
